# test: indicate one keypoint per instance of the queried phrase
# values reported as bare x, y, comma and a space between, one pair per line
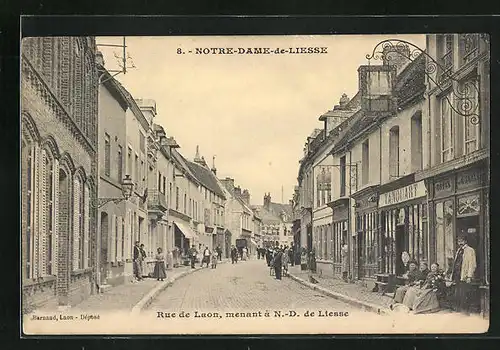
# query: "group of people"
159, 272
204, 256
425, 288
239, 253
278, 258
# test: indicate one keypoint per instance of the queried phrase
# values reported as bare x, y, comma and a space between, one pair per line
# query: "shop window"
394, 152
445, 236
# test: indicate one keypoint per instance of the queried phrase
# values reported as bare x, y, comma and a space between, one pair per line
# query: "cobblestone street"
246, 285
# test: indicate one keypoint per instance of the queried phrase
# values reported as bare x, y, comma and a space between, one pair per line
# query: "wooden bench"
385, 283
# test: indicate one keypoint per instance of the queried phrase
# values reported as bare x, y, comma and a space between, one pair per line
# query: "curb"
153, 293
381, 310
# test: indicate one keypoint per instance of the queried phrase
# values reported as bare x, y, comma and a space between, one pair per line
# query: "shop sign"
403, 194
468, 179
442, 186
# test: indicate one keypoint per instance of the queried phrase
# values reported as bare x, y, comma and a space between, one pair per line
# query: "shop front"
457, 202
340, 209
404, 230
366, 241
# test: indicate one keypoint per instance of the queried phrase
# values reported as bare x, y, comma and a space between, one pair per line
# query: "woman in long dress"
159, 272
411, 276
412, 292
427, 299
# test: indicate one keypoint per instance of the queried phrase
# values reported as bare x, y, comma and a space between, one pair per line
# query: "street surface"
244, 286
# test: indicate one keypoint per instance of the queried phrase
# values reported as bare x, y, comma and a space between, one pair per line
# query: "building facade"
59, 83
277, 222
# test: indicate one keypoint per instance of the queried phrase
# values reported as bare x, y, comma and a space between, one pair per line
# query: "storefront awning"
186, 230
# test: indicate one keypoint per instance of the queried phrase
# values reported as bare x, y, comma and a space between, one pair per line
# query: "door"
469, 227
309, 238
360, 248
400, 248
104, 248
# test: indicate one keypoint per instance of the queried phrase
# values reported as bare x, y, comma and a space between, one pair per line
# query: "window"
119, 164
365, 162
469, 104
469, 47
28, 153
185, 203
445, 236
445, 52
142, 178
416, 142
164, 187
78, 224
107, 155
160, 182
342, 176
170, 194
129, 162
446, 130
142, 142
177, 198
136, 170
394, 152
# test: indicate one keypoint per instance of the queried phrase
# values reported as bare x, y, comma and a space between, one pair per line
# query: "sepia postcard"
292, 184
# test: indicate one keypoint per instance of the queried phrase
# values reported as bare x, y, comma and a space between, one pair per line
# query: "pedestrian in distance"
206, 256
215, 255
192, 255
137, 261
278, 263
219, 252
159, 271
286, 260
234, 255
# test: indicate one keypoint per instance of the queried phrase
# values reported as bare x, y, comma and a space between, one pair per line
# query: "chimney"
237, 191
396, 55
267, 200
228, 184
214, 169
246, 196
99, 58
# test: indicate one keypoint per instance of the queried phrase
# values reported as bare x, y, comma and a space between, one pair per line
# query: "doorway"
309, 238
104, 248
400, 248
359, 247
468, 226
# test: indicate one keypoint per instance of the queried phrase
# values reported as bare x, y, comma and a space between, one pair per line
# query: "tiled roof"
206, 177
356, 124
183, 164
272, 216
410, 83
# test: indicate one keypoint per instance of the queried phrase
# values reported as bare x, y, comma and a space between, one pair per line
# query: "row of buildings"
98, 174
402, 166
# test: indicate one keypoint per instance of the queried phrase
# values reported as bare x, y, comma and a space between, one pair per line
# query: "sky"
252, 112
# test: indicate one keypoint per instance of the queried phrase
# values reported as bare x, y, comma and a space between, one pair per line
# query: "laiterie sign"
403, 194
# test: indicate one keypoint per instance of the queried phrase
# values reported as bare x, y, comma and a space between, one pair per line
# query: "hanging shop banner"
403, 194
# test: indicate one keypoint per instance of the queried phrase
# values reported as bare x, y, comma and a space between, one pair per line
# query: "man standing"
219, 252
464, 267
278, 263
192, 255
234, 254
291, 255
206, 256
137, 261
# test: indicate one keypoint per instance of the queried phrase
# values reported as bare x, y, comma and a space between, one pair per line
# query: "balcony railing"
157, 200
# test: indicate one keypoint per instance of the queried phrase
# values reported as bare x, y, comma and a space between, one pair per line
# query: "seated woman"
427, 298
411, 276
411, 293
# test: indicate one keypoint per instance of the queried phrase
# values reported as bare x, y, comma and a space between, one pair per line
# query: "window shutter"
76, 224
110, 238
112, 248
86, 222
44, 217
119, 234
55, 215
